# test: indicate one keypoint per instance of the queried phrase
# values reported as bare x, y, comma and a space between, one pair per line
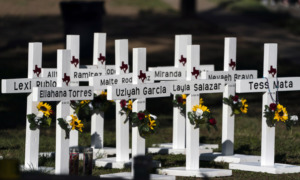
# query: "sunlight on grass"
153, 4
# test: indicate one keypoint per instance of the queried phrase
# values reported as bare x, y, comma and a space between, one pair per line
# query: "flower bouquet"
180, 102
275, 113
200, 114
238, 105
126, 108
42, 118
70, 123
85, 107
145, 122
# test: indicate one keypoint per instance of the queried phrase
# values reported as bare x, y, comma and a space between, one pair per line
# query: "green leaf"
191, 118
236, 111
48, 121
226, 101
33, 126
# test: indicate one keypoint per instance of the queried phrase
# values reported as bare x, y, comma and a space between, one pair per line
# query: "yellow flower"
201, 101
183, 98
76, 123
202, 107
195, 108
129, 106
84, 101
281, 113
244, 106
103, 93
45, 108
151, 123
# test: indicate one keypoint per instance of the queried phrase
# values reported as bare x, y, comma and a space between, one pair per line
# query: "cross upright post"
73, 46
32, 136
97, 119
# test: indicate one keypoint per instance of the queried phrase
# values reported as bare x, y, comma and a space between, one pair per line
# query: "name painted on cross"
138, 91
52, 72
198, 86
61, 94
230, 76
168, 73
172, 73
262, 85
25, 85
101, 83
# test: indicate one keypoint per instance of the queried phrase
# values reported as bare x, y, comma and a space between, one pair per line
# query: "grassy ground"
151, 25
247, 141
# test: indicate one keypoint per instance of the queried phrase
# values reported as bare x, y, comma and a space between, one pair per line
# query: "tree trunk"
188, 8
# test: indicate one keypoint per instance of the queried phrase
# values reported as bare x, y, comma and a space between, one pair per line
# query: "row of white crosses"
177, 73
194, 87
35, 72
98, 68
230, 75
268, 85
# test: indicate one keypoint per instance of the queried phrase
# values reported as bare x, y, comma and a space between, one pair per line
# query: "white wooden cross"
230, 75
268, 85
138, 90
122, 129
25, 85
194, 87
62, 93
176, 73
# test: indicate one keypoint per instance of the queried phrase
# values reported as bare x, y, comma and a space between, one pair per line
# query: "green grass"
144, 5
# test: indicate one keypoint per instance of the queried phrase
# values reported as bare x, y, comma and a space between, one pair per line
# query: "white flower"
69, 119
91, 106
294, 118
40, 114
199, 112
153, 116
234, 102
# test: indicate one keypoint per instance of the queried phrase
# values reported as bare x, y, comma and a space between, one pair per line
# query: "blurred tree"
188, 8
